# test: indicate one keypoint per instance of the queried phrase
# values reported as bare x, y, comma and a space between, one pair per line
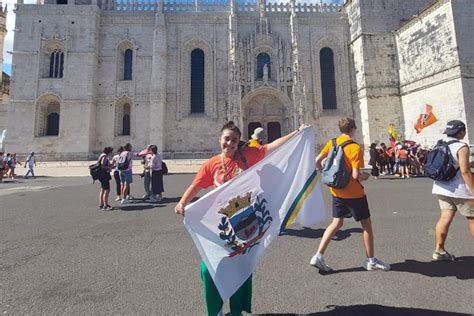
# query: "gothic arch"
122, 49
45, 106
184, 106
339, 69
53, 55
265, 105
123, 117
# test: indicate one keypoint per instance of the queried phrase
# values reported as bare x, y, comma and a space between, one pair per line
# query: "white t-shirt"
456, 187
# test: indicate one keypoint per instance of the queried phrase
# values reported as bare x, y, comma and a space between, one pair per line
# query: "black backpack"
440, 164
95, 170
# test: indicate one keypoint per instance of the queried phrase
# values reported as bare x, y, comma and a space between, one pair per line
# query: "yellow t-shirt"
354, 158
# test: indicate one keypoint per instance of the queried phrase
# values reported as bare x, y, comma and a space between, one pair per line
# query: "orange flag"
425, 119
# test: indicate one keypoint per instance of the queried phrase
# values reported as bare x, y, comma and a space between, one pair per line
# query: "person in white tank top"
456, 194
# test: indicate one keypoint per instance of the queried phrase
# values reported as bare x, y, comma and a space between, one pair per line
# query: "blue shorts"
126, 176
357, 208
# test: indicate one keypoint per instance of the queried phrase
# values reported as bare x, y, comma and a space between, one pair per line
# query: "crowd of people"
404, 159
10, 162
121, 166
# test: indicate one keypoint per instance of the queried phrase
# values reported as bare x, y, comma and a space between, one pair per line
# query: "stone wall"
429, 71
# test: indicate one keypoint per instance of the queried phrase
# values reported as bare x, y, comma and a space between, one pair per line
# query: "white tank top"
456, 187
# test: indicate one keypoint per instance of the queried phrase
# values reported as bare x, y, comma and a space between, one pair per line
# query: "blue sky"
8, 45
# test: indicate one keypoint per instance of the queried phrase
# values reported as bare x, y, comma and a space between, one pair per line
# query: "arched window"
328, 79
52, 124
127, 65
126, 124
48, 112
262, 60
124, 115
56, 64
197, 81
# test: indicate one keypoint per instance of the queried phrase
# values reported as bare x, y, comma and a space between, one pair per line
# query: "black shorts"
357, 208
104, 183
403, 162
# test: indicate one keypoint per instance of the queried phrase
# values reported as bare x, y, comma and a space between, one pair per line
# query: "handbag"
164, 167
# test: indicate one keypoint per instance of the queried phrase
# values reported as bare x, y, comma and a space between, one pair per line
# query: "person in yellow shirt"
256, 140
349, 201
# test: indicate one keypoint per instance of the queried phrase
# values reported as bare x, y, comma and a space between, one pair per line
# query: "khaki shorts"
464, 206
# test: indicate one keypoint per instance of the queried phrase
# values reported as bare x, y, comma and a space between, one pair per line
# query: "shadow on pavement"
373, 309
307, 232
131, 208
462, 268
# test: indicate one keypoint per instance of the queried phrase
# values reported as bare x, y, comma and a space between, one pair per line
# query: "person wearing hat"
456, 194
256, 140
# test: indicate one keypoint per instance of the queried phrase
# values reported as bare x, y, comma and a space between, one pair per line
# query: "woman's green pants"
239, 302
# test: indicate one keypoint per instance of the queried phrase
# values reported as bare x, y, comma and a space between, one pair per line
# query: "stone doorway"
272, 130
267, 110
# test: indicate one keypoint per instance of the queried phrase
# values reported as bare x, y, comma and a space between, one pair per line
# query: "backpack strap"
243, 159
347, 142
452, 142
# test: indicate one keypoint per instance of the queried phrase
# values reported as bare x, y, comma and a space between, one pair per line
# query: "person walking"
350, 201
31, 163
12, 166
104, 179
456, 194
215, 172
114, 163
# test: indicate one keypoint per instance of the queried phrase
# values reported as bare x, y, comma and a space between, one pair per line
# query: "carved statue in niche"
265, 73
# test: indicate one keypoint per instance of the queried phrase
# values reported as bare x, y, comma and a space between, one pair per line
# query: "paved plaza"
60, 255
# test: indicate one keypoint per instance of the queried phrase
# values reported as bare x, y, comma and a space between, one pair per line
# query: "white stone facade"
70, 64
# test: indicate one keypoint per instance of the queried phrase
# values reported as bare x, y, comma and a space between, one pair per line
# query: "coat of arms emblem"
244, 223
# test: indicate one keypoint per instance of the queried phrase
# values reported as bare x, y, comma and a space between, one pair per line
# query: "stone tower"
4, 84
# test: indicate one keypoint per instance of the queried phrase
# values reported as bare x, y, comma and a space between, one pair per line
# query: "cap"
257, 133
453, 127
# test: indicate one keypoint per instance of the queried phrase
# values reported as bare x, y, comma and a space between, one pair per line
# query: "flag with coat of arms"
233, 225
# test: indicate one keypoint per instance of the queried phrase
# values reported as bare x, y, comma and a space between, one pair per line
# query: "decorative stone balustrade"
211, 6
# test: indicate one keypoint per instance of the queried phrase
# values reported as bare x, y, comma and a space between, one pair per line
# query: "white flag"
234, 224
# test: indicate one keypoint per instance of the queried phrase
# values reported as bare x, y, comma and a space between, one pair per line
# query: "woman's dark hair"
154, 149
120, 149
232, 127
373, 145
127, 147
108, 150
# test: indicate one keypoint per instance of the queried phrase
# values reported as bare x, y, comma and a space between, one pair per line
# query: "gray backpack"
335, 173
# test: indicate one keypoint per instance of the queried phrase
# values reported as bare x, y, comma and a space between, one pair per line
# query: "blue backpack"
440, 164
335, 173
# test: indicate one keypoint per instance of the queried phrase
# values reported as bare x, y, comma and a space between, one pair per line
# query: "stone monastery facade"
91, 73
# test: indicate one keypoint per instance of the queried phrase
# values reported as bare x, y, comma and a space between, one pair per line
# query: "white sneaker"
118, 198
319, 263
376, 265
124, 201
